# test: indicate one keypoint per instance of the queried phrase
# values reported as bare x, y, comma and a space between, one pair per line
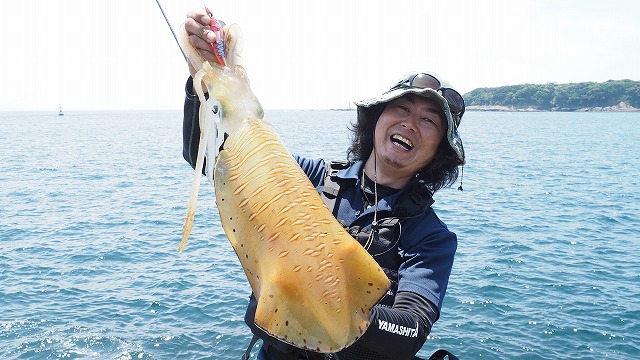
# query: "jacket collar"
388, 203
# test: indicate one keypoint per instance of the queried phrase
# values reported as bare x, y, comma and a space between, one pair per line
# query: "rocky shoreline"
622, 107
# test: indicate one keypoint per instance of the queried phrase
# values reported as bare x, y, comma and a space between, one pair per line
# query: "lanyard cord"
374, 223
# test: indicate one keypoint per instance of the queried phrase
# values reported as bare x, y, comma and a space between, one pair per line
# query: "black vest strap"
247, 353
441, 354
331, 187
413, 202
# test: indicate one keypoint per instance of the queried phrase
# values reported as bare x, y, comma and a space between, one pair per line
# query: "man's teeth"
402, 141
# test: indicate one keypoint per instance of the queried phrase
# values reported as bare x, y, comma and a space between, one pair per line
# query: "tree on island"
558, 97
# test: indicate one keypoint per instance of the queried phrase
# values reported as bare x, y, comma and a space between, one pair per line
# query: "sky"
120, 54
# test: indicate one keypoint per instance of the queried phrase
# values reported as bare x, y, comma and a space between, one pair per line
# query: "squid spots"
273, 237
283, 253
281, 222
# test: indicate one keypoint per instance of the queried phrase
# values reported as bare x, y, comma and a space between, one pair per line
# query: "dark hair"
442, 171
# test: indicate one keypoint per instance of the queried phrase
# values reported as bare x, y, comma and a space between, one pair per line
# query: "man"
405, 147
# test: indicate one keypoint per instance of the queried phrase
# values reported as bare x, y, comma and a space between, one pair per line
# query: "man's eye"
432, 122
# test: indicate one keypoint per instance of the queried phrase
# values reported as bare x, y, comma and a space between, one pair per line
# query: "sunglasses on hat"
427, 81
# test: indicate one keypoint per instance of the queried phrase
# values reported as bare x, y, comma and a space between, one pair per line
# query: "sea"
92, 206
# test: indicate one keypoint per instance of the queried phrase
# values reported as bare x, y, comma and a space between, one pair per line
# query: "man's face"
408, 133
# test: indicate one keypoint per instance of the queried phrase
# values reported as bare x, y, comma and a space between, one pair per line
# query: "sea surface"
92, 206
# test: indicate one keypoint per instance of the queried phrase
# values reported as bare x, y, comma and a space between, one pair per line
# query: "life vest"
381, 239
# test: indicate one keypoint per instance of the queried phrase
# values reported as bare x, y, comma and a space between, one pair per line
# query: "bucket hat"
429, 86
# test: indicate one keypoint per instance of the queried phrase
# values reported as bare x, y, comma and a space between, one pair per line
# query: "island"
612, 95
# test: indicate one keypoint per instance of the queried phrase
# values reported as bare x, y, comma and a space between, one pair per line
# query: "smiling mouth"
402, 142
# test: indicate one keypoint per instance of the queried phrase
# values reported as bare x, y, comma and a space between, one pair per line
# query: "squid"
314, 283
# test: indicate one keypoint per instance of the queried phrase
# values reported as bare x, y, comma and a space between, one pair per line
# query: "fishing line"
171, 28
214, 109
